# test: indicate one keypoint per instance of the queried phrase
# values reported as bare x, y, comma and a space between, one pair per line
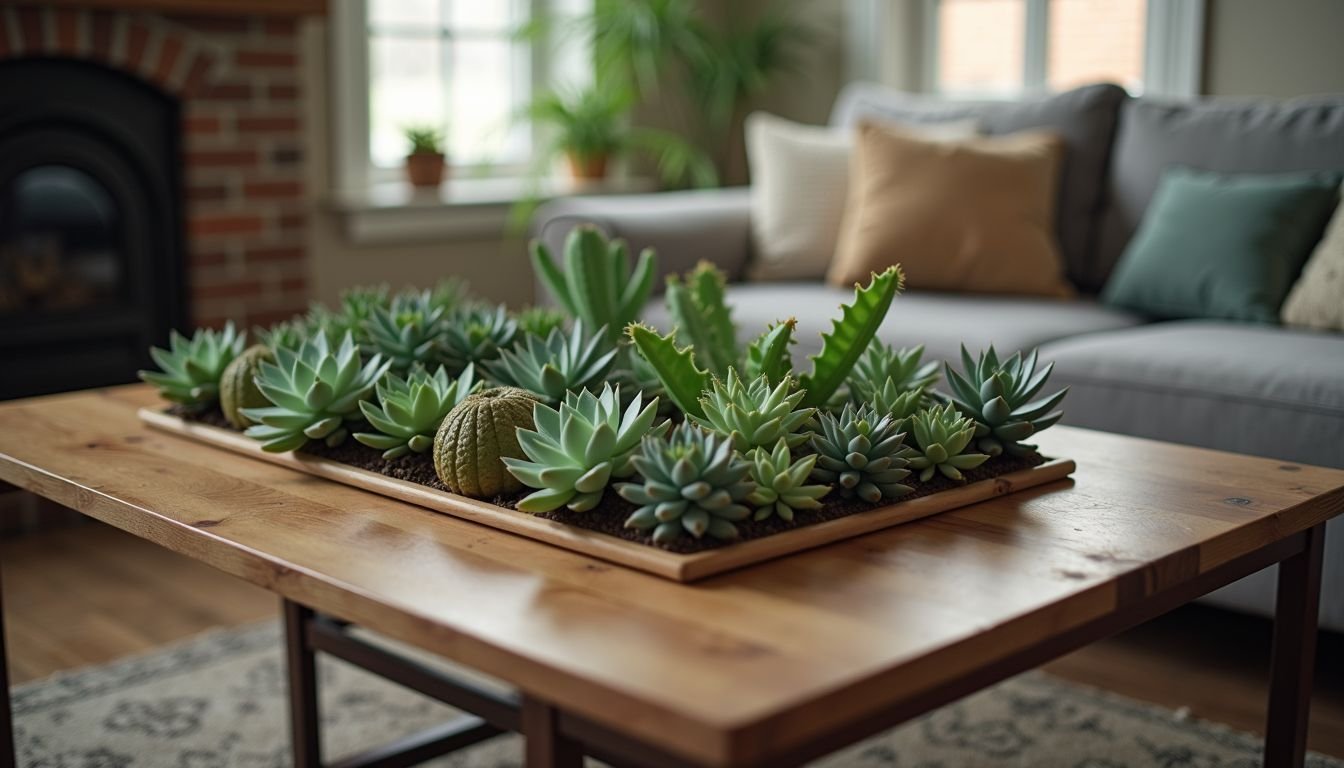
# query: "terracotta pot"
425, 169
587, 167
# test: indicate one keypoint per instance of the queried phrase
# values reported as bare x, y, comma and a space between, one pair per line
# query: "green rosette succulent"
357, 308
997, 396
576, 450
475, 335
406, 332
755, 415
561, 363
863, 452
289, 334
540, 321
781, 486
190, 369
451, 294
900, 405
693, 482
902, 367
941, 434
410, 410
314, 393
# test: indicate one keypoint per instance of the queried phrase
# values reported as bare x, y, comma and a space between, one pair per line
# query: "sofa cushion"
1228, 137
1084, 118
1317, 298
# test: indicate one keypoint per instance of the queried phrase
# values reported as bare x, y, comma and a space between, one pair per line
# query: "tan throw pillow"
799, 179
1317, 298
976, 215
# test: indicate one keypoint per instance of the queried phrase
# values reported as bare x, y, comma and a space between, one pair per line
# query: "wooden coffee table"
772, 665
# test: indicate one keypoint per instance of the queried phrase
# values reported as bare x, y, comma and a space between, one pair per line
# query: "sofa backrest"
1227, 136
1084, 118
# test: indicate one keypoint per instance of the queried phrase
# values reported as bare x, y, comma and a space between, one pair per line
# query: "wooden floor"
90, 594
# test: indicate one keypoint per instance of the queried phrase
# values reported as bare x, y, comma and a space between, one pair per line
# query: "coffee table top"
718, 671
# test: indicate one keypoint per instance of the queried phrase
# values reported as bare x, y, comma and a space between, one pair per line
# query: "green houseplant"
426, 162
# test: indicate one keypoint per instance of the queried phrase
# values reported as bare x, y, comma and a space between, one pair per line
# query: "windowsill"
459, 209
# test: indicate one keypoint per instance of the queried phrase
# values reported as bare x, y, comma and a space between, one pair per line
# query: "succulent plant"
314, 393
693, 482
768, 355
754, 415
902, 367
781, 486
288, 334
998, 397
550, 368
597, 284
863, 452
941, 434
190, 369
451, 294
540, 321
475, 335
238, 387
900, 405
699, 311
477, 435
357, 307
406, 332
850, 335
410, 410
576, 450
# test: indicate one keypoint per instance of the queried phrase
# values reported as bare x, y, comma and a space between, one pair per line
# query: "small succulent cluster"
406, 332
190, 369
756, 414
410, 410
781, 483
997, 396
862, 452
563, 362
941, 435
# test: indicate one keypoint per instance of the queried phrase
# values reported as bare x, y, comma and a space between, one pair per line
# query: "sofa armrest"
683, 227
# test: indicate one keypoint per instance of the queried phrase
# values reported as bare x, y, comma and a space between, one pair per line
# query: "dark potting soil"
610, 514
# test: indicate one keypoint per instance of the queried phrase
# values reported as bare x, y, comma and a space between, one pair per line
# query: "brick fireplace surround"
236, 75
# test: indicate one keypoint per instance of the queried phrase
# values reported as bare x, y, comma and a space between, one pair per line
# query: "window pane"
405, 12
488, 89
405, 88
489, 16
1091, 40
980, 45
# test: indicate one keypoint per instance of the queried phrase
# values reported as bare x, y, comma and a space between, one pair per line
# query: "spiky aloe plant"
406, 332
863, 452
998, 397
902, 367
693, 482
941, 434
540, 321
781, 486
597, 284
575, 451
475, 335
410, 410
314, 392
550, 368
756, 414
190, 369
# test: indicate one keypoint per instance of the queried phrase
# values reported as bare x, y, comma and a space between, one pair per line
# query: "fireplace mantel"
210, 7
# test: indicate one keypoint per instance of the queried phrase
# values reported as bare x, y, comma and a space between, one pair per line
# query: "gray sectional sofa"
1268, 391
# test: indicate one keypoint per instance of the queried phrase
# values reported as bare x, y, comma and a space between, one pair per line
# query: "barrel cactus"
997, 396
863, 452
693, 482
314, 393
756, 414
406, 332
941, 434
475, 438
563, 362
410, 410
881, 362
190, 369
475, 335
238, 388
781, 486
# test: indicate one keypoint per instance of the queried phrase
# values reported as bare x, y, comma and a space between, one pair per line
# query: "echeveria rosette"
755, 415
563, 362
406, 333
410, 410
475, 335
540, 321
693, 482
941, 434
574, 451
997, 396
781, 484
863, 452
357, 307
190, 369
881, 363
314, 393
900, 405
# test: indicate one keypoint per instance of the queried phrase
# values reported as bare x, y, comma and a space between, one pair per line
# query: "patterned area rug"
218, 702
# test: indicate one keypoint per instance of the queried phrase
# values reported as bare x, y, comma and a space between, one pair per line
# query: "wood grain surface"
734, 669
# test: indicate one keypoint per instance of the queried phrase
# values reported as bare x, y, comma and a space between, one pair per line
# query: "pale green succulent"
451, 294
781, 486
288, 334
357, 307
863, 452
900, 405
559, 364
314, 393
475, 335
540, 321
755, 415
998, 397
941, 434
576, 450
190, 369
406, 332
693, 482
410, 410
881, 362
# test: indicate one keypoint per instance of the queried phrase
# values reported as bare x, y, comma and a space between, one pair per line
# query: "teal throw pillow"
1223, 246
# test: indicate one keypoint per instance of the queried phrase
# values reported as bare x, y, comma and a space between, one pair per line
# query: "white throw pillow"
799, 184
1317, 298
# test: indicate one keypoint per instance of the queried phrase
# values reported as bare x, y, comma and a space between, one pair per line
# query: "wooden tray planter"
642, 557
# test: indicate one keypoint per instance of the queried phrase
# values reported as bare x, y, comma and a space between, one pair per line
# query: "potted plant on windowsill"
425, 165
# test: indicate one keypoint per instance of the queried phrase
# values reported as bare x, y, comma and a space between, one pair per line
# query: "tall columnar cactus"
314, 393
941, 434
756, 414
902, 367
863, 452
189, 370
693, 482
781, 485
700, 312
597, 284
476, 335
575, 451
406, 332
410, 410
563, 362
998, 397
476, 437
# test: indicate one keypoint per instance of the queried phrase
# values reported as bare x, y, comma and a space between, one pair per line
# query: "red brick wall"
238, 81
